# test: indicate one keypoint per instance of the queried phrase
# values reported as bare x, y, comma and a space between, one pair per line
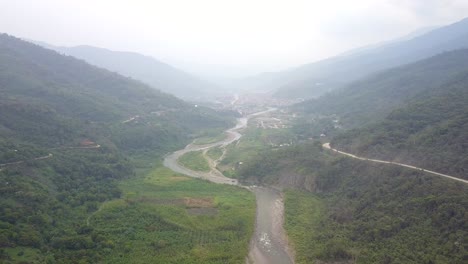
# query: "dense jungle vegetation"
346, 210
372, 98
69, 134
429, 132
341, 209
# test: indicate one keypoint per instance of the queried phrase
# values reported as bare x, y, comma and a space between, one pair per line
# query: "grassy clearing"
303, 213
209, 139
214, 153
150, 224
25, 255
377, 214
254, 141
194, 160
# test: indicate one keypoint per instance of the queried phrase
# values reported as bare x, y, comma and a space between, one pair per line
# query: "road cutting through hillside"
269, 243
327, 146
23, 161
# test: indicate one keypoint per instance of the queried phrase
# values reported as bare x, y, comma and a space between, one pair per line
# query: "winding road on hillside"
50, 155
269, 243
23, 161
327, 146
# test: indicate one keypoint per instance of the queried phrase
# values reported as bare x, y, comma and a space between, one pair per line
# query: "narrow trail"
268, 244
50, 155
91, 215
88, 147
327, 146
23, 161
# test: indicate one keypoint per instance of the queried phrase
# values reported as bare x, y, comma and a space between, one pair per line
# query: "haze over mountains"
85, 123
371, 98
71, 96
149, 70
415, 114
84, 132
315, 79
307, 81
363, 211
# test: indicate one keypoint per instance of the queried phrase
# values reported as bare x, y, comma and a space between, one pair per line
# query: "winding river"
268, 244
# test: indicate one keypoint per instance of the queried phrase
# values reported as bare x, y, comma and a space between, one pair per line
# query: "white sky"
238, 36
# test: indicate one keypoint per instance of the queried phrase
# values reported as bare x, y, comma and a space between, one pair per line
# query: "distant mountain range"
428, 126
314, 79
414, 114
372, 98
68, 132
43, 92
149, 70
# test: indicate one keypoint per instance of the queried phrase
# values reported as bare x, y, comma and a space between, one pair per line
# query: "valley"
268, 245
306, 175
111, 156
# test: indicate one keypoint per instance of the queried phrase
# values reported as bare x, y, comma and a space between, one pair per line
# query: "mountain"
413, 114
429, 131
69, 133
414, 34
155, 73
372, 98
315, 79
339, 209
70, 88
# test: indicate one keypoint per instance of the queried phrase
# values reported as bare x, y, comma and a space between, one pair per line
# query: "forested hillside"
42, 90
317, 78
68, 132
430, 131
371, 99
144, 68
364, 212
340, 209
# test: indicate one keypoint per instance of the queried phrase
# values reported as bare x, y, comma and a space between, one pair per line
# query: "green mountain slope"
144, 68
314, 79
341, 210
69, 132
336, 72
37, 84
372, 98
430, 131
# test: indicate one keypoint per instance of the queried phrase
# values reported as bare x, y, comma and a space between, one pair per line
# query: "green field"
253, 141
194, 160
214, 153
303, 213
164, 217
209, 139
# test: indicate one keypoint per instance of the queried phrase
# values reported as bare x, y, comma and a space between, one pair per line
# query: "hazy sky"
241, 36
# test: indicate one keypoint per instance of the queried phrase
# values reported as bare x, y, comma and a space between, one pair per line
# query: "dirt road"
327, 146
268, 244
215, 176
23, 161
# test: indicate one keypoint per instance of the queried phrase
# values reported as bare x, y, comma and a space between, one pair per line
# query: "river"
268, 244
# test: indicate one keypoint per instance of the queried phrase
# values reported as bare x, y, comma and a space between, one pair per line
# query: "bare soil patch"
199, 202
145, 199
